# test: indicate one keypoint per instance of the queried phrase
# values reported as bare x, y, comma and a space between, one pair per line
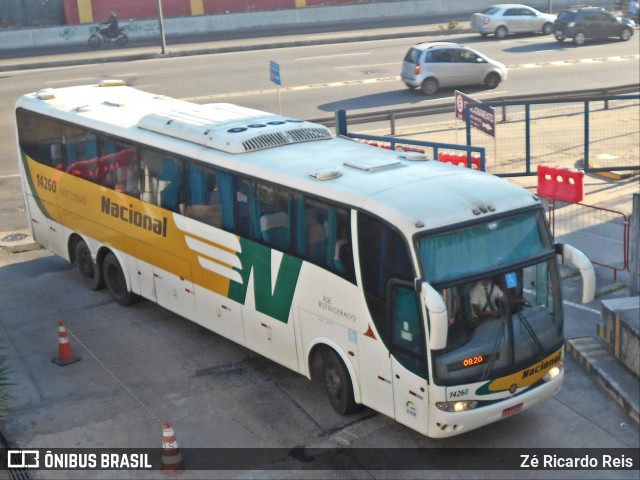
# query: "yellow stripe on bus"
528, 376
142, 230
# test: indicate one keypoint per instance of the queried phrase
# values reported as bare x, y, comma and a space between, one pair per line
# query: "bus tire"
116, 282
90, 271
337, 383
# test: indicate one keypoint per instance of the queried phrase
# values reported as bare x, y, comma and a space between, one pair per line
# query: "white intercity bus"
349, 264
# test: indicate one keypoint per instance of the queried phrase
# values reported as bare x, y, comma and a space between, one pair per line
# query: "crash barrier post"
65, 352
588, 228
565, 184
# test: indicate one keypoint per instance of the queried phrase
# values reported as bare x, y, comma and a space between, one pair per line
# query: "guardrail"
392, 115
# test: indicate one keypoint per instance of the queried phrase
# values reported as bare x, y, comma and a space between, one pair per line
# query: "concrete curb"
620, 384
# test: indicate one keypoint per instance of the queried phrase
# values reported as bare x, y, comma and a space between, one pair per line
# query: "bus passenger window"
243, 222
162, 180
343, 253
122, 171
316, 235
270, 212
203, 202
56, 154
311, 234
79, 145
40, 138
275, 230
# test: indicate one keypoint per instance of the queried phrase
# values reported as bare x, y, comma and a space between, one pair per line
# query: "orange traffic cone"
171, 456
65, 353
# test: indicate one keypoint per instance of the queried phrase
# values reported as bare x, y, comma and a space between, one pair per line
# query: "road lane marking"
581, 307
581, 61
396, 78
367, 66
315, 57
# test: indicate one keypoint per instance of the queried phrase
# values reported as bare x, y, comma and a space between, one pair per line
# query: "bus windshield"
508, 318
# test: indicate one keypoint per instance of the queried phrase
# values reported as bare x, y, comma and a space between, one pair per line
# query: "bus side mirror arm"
580, 261
438, 318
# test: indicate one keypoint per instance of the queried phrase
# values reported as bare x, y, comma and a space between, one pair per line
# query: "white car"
431, 66
511, 18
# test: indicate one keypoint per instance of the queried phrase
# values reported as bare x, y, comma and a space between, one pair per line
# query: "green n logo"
273, 296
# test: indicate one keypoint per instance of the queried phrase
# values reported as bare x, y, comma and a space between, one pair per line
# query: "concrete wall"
78, 34
31, 12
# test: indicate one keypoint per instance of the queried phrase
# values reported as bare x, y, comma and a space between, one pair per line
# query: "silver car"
511, 18
431, 66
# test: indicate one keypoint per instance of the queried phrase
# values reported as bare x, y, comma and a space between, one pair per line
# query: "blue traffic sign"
274, 70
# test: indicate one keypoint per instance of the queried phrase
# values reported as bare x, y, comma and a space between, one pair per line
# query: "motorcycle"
99, 37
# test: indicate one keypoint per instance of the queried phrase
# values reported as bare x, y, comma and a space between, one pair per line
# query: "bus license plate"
511, 410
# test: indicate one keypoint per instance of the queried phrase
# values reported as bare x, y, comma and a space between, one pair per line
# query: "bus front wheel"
90, 271
116, 282
338, 384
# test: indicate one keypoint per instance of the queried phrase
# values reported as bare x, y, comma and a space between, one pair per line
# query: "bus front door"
408, 357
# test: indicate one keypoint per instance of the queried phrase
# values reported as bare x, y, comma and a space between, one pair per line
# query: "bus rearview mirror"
580, 261
438, 318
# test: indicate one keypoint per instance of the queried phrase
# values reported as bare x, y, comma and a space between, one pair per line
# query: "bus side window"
343, 251
271, 215
243, 219
384, 256
79, 145
323, 236
202, 201
40, 138
81, 154
161, 180
311, 234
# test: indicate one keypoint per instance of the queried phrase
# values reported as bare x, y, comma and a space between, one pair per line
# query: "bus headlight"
552, 373
460, 406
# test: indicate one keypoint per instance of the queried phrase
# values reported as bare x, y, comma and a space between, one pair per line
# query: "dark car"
581, 23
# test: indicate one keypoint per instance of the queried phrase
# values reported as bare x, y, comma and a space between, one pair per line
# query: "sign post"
479, 116
274, 75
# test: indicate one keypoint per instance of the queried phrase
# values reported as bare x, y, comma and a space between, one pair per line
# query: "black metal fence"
593, 134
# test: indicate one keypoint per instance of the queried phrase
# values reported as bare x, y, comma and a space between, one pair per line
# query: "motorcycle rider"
111, 28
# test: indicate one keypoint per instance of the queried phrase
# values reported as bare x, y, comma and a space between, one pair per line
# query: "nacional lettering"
541, 366
134, 217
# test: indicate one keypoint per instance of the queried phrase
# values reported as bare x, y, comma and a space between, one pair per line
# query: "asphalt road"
317, 79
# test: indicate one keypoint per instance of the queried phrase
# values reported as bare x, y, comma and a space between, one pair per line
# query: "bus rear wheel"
337, 384
90, 271
116, 282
